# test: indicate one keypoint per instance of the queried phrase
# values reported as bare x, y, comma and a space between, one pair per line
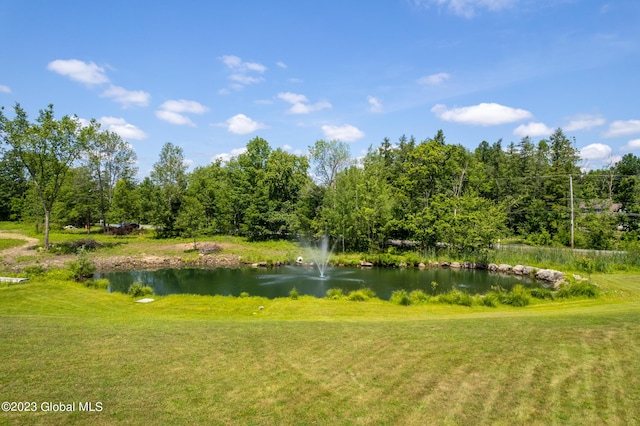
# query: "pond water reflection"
278, 282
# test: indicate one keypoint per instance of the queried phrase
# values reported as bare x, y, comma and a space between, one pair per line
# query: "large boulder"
550, 276
492, 267
518, 270
504, 268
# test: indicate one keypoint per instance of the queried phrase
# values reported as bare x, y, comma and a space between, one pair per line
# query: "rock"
366, 264
480, 265
527, 270
468, 265
492, 267
422, 266
455, 265
550, 276
445, 264
504, 268
403, 265
518, 270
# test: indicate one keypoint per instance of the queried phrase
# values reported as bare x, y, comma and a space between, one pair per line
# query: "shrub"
101, 283
335, 294
139, 290
400, 297
456, 297
412, 259
386, 260
33, 270
541, 293
244, 294
518, 296
82, 268
74, 247
579, 289
293, 294
361, 295
490, 299
418, 297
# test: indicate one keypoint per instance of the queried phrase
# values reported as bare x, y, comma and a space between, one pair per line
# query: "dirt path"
23, 250
209, 257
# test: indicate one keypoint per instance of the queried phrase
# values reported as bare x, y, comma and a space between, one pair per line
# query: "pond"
279, 281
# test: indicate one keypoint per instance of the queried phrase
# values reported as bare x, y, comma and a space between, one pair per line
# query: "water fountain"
322, 255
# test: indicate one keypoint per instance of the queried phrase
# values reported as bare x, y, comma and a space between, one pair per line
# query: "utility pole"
571, 198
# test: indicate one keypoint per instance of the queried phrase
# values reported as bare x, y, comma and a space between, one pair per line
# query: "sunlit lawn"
219, 360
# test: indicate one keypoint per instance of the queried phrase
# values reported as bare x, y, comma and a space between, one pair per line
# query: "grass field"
219, 360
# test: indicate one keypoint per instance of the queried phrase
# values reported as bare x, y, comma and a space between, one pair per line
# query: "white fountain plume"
322, 255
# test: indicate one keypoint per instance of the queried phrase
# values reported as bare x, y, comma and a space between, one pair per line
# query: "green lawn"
6, 243
218, 360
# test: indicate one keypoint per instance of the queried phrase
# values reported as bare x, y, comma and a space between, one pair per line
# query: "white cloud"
292, 98
308, 108
467, 8
121, 127
226, 156
300, 103
172, 111
287, 147
595, 151
4, 89
244, 80
346, 133
484, 114
183, 105
174, 118
623, 128
240, 124
87, 73
584, 122
633, 144
281, 64
127, 97
532, 129
375, 105
243, 73
434, 79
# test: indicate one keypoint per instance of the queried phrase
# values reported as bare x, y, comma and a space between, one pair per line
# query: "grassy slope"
211, 360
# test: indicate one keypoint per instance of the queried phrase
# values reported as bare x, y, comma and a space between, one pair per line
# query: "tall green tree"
13, 186
125, 206
109, 158
170, 178
328, 159
46, 149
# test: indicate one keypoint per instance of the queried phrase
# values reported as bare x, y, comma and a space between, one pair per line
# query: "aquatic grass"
293, 294
518, 296
579, 289
335, 294
137, 289
455, 297
490, 299
419, 297
400, 297
361, 295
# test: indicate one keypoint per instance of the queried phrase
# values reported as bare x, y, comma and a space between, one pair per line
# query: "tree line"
426, 193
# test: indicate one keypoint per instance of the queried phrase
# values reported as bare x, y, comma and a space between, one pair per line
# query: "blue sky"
210, 76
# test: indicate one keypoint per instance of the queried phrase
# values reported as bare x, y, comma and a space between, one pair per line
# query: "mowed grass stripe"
285, 372
210, 360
